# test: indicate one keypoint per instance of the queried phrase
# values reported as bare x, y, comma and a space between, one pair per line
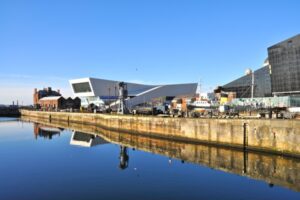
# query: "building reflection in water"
89, 140
273, 169
46, 131
86, 140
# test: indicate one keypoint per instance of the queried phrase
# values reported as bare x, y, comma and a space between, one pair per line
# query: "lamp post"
109, 101
251, 73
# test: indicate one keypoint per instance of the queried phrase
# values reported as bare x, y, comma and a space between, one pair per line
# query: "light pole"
250, 72
109, 101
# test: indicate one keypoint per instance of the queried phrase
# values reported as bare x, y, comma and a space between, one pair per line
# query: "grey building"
279, 76
102, 92
284, 59
242, 85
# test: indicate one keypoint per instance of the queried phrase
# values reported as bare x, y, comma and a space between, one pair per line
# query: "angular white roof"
139, 93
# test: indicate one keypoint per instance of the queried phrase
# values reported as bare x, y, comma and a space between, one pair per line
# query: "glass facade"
242, 86
284, 59
280, 77
81, 87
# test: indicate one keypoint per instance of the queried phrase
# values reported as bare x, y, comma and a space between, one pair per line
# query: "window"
81, 87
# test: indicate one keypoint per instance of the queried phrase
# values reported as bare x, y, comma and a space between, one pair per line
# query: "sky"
47, 43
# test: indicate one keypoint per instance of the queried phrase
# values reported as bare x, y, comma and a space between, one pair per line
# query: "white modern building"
99, 91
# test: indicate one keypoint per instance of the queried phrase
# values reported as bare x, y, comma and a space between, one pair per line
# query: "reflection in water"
8, 119
46, 131
89, 140
86, 140
124, 157
273, 169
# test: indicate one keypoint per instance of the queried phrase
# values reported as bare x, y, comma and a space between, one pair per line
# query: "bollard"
245, 139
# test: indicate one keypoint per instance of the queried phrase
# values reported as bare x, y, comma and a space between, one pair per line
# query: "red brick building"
46, 92
53, 102
59, 102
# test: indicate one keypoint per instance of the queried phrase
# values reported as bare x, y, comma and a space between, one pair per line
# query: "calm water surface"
45, 162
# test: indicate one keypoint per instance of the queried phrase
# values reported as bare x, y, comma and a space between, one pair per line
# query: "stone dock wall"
271, 135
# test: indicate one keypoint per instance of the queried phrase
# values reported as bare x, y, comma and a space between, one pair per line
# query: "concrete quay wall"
277, 136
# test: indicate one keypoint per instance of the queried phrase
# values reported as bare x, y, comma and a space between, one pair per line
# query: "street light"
250, 72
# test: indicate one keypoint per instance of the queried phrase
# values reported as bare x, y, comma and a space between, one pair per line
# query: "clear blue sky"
49, 42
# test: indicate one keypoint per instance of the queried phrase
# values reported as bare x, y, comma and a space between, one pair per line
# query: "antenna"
199, 86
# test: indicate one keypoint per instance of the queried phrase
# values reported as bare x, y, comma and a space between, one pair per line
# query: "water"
41, 161
3, 119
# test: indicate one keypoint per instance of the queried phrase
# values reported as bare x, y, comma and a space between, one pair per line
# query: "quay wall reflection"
271, 168
281, 136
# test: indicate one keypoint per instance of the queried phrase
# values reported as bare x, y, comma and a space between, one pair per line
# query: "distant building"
242, 85
59, 102
52, 100
279, 76
100, 92
222, 96
46, 92
284, 59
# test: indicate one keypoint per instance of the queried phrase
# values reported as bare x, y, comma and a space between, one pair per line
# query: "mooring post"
245, 135
245, 138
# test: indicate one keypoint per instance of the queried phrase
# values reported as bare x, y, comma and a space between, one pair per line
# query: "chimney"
58, 91
35, 90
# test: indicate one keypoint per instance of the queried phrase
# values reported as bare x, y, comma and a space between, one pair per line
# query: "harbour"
271, 168
149, 100
241, 129
118, 157
277, 136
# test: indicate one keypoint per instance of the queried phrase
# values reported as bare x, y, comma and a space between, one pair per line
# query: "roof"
295, 38
50, 98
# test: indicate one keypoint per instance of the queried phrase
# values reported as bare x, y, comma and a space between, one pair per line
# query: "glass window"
81, 87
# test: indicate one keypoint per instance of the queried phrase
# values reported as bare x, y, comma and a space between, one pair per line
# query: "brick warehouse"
46, 92
59, 102
52, 100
